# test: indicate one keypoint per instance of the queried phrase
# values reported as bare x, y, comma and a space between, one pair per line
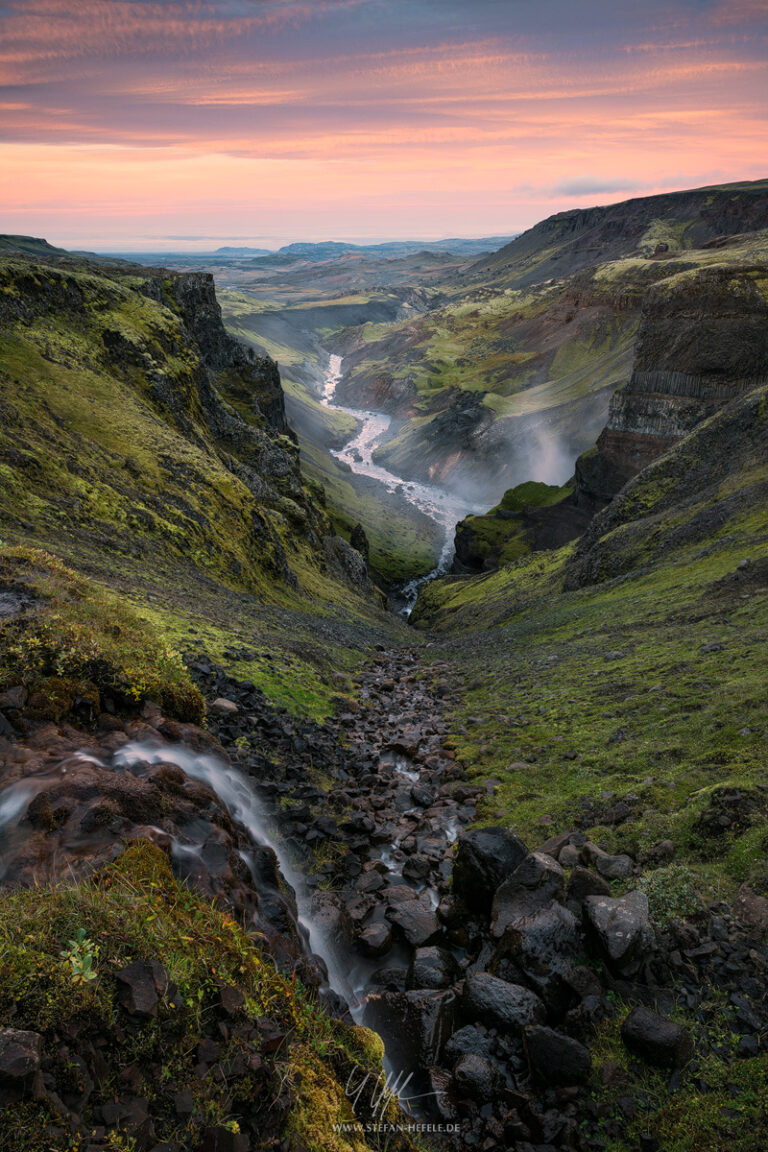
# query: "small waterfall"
239, 797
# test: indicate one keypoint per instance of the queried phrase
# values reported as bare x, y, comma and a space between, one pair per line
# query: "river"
440, 505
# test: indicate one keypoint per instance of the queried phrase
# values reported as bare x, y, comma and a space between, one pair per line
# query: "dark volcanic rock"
476, 1077
432, 968
657, 1040
499, 1004
484, 858
415, 1025
555, 1058
417, 923
141, 986
545, 947
621, 928
536, 882
19, 1054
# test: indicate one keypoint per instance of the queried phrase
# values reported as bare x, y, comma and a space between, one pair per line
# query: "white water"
442, 506
239, 797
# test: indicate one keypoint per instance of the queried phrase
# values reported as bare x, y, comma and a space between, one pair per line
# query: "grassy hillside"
144, 460
631, 663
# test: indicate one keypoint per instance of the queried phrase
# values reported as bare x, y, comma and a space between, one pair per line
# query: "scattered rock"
20, 1054
555, 1058
621, 928
500, 1004
484, 858
657, 1040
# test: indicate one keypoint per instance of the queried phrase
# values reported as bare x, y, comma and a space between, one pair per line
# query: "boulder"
584, 882
555, 1058
469, 1039
495, 1002
223, 707
19, 1054
656, 1039
615, 867
476, 1077
533, 884
621, 929
140, 987
417, 923
485, 857
415, 1025
544, 947
375, 939
432, 968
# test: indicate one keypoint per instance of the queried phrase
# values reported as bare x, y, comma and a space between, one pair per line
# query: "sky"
147, 125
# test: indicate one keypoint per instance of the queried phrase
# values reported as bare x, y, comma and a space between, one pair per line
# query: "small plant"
671, 893
81, 955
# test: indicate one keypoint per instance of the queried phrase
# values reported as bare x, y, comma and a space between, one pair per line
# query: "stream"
440, 505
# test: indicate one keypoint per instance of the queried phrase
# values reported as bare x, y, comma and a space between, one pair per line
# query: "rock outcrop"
703, 340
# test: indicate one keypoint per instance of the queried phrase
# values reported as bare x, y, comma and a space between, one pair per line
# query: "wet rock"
621, 929
476, 1077
331, 917
584, 882
500, 1004
416, 868
545, 948
485, 857
422, 796
221, 1139
416, 922
20, 1054
537, 881
141, 986
469, 1039
555, 1058
375, 939
432, 968
657, 1040
415, 1025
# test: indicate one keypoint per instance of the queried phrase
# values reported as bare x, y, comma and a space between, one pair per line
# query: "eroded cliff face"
133, 424
703, 341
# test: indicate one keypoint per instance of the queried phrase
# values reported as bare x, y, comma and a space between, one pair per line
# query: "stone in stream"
432, 968
417, 923
555, 1058
484, 858
621, 929
469, 1039
533, 884
657, 1040
375, 940
499, 1004
415, 1025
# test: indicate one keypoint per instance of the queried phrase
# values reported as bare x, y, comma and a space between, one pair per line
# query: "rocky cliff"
648, 226
135, 426
703, 340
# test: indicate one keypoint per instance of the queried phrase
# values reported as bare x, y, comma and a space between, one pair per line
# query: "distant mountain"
228, 251
394, 249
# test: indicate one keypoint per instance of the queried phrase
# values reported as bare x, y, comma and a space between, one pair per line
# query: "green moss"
79, 639
135, 909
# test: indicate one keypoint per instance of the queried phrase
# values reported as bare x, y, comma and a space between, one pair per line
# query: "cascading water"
440, 505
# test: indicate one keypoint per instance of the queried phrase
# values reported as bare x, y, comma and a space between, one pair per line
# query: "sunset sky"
137, 124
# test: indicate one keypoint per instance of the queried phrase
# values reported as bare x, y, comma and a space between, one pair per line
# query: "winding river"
440, 505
